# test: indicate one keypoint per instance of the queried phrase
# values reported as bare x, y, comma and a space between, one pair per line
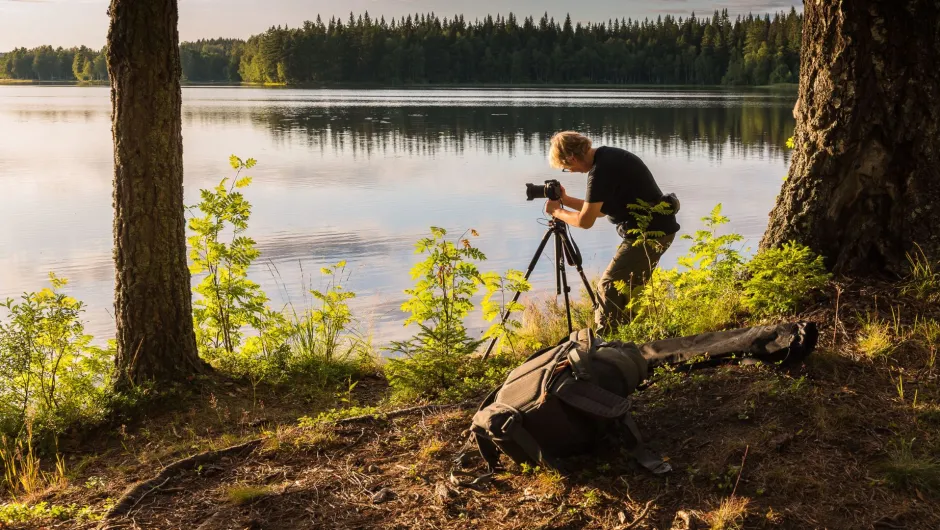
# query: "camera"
551, 191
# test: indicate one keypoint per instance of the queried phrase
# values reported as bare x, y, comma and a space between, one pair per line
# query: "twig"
835, 323
642, 515
740, 470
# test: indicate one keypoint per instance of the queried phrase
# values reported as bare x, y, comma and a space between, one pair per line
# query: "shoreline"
436, 86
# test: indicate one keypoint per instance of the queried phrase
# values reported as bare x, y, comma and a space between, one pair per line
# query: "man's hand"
551, 207
564, 194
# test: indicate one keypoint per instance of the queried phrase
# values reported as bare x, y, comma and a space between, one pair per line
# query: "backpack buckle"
507, 425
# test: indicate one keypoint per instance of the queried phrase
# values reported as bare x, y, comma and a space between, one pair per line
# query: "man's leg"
632, 265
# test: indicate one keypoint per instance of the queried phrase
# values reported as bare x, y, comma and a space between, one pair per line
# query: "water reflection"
360, 175
713, 131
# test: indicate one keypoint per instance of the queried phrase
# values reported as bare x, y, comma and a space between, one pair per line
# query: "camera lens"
534, 191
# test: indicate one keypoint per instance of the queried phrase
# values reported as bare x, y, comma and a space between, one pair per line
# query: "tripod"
565, 250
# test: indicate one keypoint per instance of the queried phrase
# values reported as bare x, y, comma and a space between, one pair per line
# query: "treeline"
749, 50
46, 63
425, 49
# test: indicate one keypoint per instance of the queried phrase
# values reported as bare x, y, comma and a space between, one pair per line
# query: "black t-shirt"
619, 178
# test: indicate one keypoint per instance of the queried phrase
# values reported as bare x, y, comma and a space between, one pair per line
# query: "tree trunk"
864, 184
152, 299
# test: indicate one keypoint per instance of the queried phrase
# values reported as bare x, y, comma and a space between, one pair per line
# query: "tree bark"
152, 298
864, 183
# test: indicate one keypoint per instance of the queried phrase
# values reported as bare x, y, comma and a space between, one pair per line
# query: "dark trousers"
632, 265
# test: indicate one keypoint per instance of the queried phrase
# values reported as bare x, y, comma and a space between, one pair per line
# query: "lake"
360, 175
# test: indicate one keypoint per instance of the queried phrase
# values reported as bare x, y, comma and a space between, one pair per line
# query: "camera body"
551, 190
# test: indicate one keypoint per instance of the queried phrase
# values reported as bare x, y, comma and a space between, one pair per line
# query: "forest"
425, 49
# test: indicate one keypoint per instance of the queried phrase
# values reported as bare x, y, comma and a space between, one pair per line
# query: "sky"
30, 23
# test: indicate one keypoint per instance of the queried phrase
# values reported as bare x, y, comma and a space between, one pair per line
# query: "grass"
246, 494
431, 449
544, 321
22, 471
874, 338
923, 281
729, 515
904, 469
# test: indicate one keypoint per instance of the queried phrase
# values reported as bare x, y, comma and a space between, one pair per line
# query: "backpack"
559, 403
563, 399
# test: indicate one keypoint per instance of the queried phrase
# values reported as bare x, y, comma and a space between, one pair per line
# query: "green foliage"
436, 363
15, 512
500, 291
874, 338
702, 297
50, 375
236, 329
904, 469
714, 287
44, 63
447, 279
245, 494
780, 279
923, 280
228, 301
325, 345
334, 415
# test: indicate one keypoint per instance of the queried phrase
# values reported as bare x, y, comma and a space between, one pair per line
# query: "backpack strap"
643, 454
579, 356
591, 398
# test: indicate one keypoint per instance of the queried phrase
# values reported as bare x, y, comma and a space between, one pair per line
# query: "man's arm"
571, 202
583, 218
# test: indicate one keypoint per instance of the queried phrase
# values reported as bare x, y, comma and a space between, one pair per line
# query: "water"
360, 175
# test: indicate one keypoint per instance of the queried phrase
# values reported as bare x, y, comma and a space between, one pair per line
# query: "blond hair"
567, 145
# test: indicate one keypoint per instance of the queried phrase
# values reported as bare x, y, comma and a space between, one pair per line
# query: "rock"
383, 495
780, 442
684, 521
442, 493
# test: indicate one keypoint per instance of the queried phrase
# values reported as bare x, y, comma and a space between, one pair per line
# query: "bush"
436, 363
782, 278
714, 287
51, 377
236, 329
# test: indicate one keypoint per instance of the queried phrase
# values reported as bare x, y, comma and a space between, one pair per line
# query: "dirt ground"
813, 446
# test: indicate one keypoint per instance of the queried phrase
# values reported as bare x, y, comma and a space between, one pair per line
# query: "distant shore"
547, 86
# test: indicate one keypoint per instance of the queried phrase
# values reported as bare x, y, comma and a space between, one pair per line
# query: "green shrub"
14, 512
436, 362
782, 278
236, 329
51, 377
228, 301
698, 296
714, 287
324, 340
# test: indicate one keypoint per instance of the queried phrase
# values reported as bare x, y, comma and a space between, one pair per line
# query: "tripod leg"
566, 290
574, 257
528, 272
559, 264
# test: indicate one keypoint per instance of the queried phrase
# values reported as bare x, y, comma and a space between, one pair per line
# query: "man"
616, 178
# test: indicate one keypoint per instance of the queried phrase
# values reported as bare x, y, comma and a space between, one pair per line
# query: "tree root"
135, 493
402, 412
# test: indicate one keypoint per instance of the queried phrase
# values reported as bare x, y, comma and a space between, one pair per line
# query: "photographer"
616, 178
